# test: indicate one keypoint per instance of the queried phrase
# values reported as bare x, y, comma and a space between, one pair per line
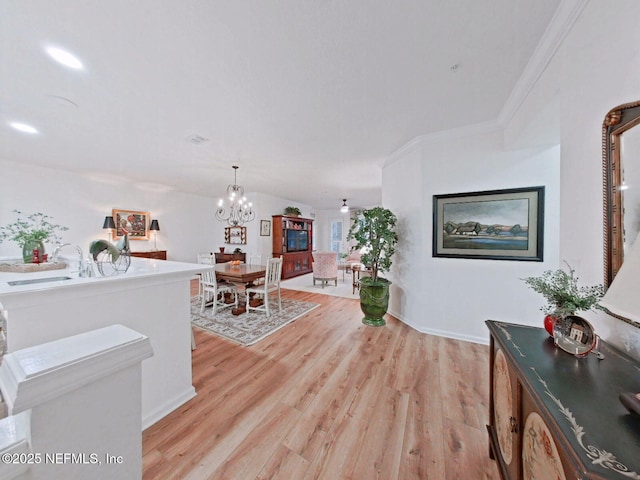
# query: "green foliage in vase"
34, 227
374, 231
562, 293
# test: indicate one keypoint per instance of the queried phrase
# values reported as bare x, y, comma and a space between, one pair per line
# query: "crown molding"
563, 19
451, 134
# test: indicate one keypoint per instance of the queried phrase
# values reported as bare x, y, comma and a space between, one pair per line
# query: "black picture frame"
490, 225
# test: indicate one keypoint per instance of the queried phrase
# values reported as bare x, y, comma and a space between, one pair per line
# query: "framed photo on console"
136, 224
491, 225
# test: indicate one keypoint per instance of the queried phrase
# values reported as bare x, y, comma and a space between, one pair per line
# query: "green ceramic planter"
374, 302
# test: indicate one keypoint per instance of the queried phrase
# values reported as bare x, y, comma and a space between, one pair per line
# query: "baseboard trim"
443, 333
168, 407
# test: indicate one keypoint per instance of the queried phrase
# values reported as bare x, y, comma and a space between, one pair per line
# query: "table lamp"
155, 228
109, 225
622, 299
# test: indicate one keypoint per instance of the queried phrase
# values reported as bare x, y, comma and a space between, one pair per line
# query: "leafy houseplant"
563, 295
31, 232
292, 211
374, 231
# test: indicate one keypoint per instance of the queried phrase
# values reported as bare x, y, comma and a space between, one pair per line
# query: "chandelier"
239, 210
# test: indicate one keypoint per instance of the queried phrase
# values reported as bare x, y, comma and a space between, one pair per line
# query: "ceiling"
308, 97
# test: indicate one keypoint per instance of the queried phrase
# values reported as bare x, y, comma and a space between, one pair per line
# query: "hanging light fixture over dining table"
239, 211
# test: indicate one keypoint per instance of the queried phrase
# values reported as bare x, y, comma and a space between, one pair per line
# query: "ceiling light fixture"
344, 208
239, 210
23, 127
65, 58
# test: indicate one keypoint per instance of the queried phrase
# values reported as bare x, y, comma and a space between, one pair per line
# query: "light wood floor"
329, 398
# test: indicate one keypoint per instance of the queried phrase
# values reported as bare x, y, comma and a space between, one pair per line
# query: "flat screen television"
297, 240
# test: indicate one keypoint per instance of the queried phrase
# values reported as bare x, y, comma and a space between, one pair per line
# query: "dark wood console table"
227, 257
155, 254
556, 416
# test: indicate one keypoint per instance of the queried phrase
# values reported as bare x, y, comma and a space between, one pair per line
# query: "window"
335, 242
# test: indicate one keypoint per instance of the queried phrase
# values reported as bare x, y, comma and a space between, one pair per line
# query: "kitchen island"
151, 298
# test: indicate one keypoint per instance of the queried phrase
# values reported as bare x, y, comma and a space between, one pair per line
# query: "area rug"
248, 328
304, 283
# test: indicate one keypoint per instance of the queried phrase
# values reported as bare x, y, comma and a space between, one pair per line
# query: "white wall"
187, 222
81, 202
595, 70
322, 226
453, 297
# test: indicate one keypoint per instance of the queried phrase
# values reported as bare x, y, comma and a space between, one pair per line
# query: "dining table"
242, 274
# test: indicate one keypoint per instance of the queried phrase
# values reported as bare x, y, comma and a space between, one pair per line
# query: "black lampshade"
154, 225
109, 223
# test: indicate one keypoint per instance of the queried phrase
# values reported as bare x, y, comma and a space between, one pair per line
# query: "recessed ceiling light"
65, 58
23, 127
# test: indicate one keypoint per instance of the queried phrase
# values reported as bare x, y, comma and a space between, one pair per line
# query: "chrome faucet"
81, 271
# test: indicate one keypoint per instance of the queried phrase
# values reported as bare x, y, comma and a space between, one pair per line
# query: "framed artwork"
265, 228
494, 225
235, 235
135, 223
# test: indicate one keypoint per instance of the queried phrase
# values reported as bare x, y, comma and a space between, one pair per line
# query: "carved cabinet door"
505, 415
542, 454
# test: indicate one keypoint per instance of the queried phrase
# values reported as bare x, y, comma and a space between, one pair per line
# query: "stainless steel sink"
37, 280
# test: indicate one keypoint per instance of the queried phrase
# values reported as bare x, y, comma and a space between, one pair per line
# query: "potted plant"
374, 232
563, 295
292, 211
31, 232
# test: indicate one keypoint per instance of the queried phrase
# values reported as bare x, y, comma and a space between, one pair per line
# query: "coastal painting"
495, 225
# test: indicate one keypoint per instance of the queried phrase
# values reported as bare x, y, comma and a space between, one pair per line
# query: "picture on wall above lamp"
492, 225
134, 223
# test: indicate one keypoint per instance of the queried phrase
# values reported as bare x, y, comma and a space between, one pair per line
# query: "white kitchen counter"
151, 298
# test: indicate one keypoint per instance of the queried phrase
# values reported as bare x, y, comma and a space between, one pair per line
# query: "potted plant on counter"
563, 295
374, 231
31, 232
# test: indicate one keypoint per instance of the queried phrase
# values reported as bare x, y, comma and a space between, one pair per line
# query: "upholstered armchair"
353, 259
325, 267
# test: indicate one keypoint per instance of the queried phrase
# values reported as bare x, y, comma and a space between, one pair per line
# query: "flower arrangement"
562, 293
36, 227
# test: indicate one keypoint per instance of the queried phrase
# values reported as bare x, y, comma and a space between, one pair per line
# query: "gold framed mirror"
620, 168
621, 185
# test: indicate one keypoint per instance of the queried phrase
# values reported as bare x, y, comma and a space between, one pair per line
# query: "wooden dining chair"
271, 284
209, 286
206, 259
